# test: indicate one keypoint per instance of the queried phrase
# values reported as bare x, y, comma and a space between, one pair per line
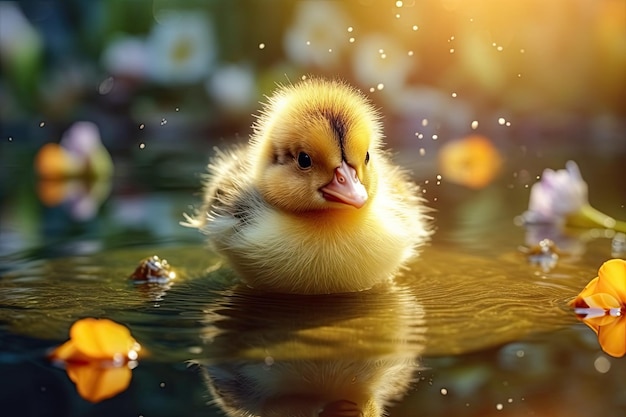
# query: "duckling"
313, 204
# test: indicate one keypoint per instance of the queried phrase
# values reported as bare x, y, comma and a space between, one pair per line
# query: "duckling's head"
316, 144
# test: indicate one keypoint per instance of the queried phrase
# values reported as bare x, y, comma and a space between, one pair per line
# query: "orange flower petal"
596, 322
602, 300
472, 161
612, 337
52, 161
586, 292
612, 280
67, 352
96, 383
591, 323
102, 339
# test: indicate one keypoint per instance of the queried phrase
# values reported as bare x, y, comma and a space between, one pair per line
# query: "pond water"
473, 328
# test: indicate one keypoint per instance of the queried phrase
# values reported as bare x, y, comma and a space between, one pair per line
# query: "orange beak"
345, 187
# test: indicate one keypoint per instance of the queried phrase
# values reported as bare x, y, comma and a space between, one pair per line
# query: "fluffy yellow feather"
312, 204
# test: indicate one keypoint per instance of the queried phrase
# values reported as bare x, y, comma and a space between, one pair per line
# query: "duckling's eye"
367, 157
304, 160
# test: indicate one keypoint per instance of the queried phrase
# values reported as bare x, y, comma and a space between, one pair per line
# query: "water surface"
471, 329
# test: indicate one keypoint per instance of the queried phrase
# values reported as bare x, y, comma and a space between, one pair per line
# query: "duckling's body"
313, 205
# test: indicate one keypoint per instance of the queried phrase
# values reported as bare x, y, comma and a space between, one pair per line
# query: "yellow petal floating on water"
98, 357
602, 300
601, 305
95, 382
612, 279
589, 290
103, 339
612, 337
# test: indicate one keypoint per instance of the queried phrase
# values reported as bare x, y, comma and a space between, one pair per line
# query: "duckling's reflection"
325, 355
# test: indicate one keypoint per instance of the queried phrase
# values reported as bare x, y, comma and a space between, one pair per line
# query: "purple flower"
557, 195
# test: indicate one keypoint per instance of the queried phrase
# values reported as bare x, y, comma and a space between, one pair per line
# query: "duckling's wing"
230, 199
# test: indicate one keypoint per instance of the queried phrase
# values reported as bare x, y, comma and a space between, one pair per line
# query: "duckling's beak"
345, 187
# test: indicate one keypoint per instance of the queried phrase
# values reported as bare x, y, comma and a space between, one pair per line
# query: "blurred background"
133, 95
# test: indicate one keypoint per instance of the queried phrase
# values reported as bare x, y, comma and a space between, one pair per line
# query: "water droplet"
10, 139
142, 145
381, 51
399, 4
177, 109
380, 86
424, 122
397, 15
475, 124
351, 40
438, 177
501, 121
453, 95
410, 53
508, 123
261, 45
42, 124
499, 48
372, 89
106, 86
141, 126
383, 56
444, 391
499, 406
330, 50
451, 50
350, 28
435, 137
422, 151
415, 27
308, 43
163, 121
162, 384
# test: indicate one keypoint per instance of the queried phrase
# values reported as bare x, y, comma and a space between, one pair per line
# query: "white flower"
557, 195
233, 87
126, 55
379, 60
317, 35
181, 48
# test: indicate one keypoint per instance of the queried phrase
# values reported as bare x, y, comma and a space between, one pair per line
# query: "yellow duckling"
313, 204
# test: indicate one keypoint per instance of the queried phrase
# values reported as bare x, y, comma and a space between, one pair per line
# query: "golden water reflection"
275, 354
344, 354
